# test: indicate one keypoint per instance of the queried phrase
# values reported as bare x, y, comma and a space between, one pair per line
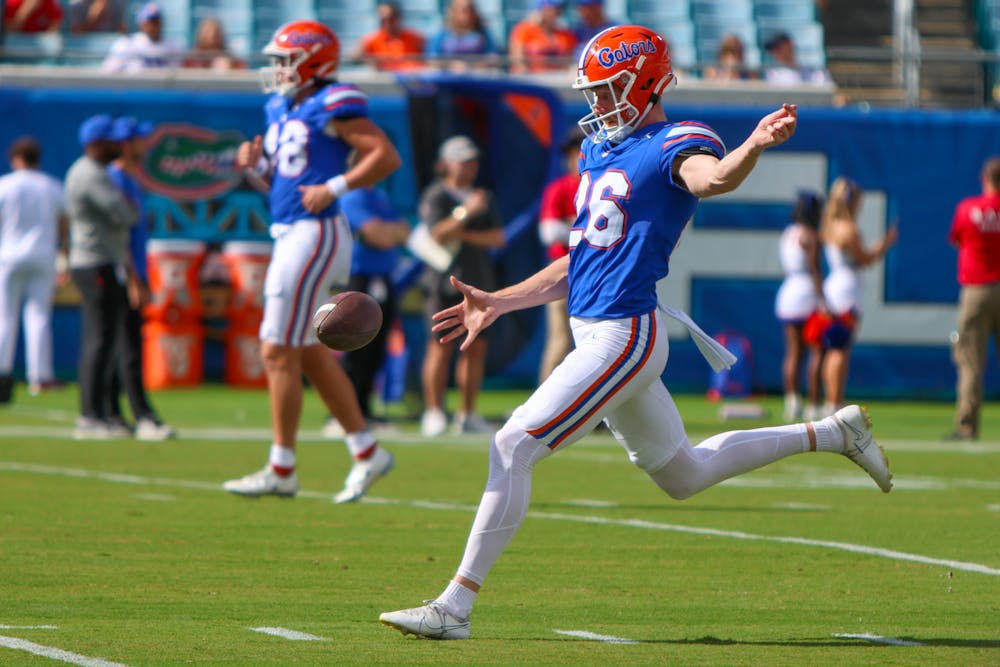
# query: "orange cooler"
173, 266
173, 354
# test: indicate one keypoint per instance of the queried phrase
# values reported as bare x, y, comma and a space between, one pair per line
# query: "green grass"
138, 557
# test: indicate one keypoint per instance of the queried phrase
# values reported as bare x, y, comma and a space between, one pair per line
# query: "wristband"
460, 213
338, 186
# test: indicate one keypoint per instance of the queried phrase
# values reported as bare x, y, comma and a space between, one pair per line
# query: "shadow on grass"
823, 642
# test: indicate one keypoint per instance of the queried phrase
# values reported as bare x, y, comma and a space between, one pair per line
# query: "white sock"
829, 435
359, 442
458, 599
282, 457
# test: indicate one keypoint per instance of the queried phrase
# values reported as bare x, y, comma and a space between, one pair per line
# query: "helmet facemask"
282, 76
624, 116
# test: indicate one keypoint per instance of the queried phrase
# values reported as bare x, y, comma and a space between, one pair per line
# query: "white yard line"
291, 635
890, 554
29, 627
607, 639
876, 639
56, 653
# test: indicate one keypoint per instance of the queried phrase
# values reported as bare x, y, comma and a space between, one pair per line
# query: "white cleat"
470, 422
860, 447
432, 621
151, 430
433, 423
264, 482
363, 474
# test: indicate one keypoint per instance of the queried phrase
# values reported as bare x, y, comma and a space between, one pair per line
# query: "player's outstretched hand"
477, 311
315, 198
249, 153
776, 127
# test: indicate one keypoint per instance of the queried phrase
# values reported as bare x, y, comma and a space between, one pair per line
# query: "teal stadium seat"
721, 10
268, 16
31, 49
710, 34
797, 11
350, 22
86, 49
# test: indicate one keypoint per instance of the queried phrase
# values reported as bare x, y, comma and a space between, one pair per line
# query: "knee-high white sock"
726, 455
513, 454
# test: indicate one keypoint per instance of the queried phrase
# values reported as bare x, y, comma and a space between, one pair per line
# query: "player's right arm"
250, 158
480, 309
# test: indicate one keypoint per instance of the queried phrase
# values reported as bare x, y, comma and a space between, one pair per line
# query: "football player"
313, 123
641, 178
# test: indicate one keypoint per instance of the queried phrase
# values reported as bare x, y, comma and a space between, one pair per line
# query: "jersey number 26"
602, 200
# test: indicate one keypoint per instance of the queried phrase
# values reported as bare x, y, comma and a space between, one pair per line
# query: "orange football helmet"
622, 73
300, 51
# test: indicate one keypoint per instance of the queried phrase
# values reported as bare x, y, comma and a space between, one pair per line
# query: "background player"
313, 125
641, 178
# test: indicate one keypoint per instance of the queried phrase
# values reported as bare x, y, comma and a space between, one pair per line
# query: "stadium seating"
693, 27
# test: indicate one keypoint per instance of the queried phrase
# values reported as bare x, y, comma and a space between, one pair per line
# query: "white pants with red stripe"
613, 373
309, 258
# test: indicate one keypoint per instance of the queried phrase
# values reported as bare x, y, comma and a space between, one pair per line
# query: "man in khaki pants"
975, 232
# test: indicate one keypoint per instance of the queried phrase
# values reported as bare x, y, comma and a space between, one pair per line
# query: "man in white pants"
32, 222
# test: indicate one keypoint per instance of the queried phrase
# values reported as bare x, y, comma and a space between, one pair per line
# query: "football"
348, 321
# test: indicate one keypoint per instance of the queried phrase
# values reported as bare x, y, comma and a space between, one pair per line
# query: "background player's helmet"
300, 51
633, 63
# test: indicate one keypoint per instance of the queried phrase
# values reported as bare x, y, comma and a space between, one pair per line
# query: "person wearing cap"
144, 49
100, 217
32, 230
465, 218
555, 219
128, 349
591, 20
541, 41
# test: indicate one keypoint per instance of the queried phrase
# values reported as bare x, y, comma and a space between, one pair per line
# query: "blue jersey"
630, 214
137, 233
299, 149
359, 206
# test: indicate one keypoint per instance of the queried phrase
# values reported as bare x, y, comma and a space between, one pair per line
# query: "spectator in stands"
975, 232
144, 49
97, 16
785, 69
210, 50
592, 20
100, 217
798, 298
846, 256
541, 42
128, 339
32, 229
465, 218
464, 41
556, 217
730, 63
379, 231
32, 15
392, 47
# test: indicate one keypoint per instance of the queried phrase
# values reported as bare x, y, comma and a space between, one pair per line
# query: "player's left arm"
705, 175
376, 159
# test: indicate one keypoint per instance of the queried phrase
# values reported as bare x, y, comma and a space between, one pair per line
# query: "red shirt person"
975, 232
32, 16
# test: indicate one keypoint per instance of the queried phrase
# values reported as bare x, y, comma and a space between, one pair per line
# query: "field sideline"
130, 553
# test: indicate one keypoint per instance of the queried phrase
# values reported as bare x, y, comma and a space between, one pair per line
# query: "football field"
129, 553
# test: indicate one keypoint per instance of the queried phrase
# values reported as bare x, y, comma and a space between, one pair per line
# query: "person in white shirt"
144, 49
32, 224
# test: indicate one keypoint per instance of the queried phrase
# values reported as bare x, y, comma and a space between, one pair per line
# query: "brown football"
348, 321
